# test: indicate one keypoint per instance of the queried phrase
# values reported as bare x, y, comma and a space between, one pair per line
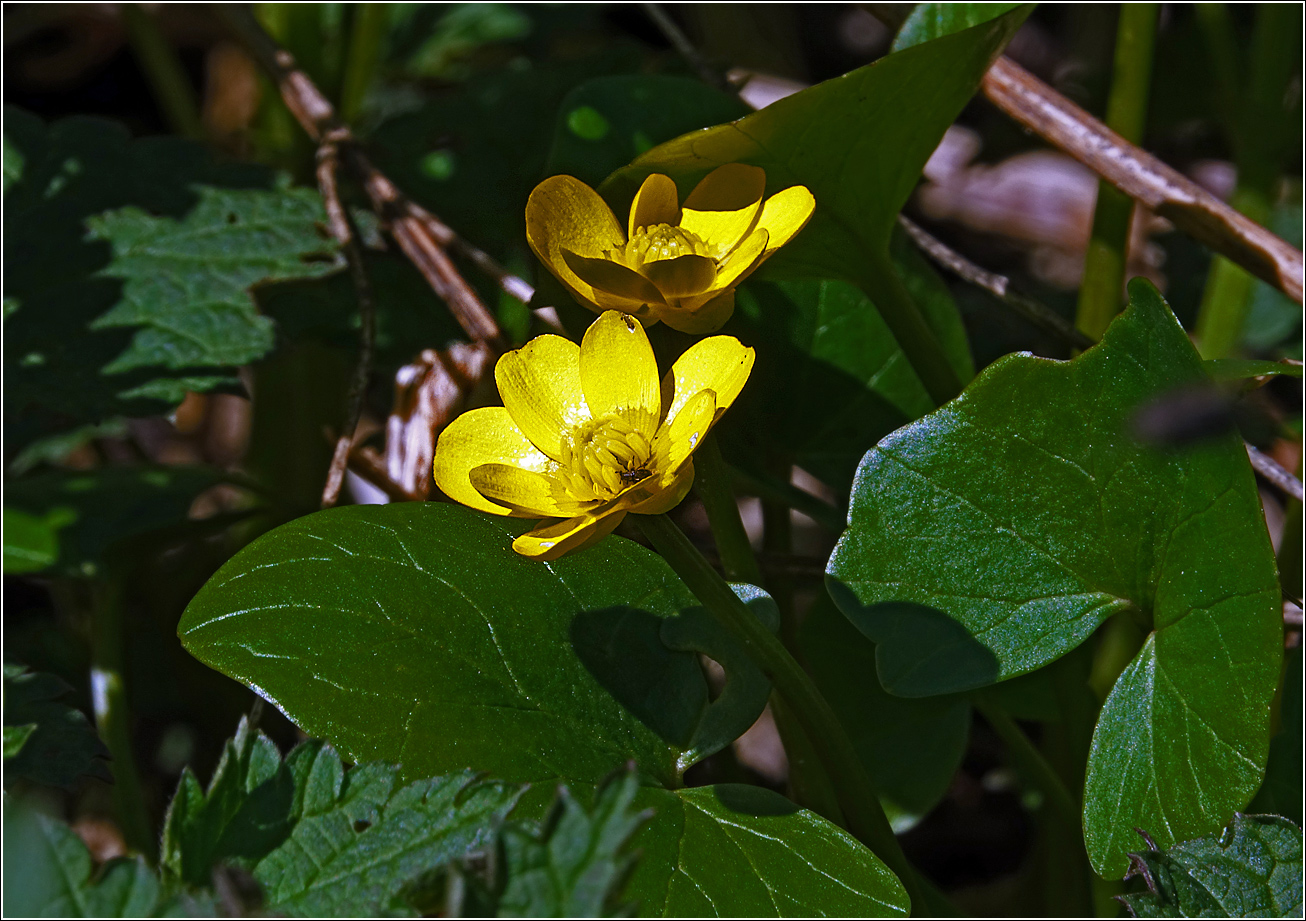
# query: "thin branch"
343, 229
999, 286
1138, 174
684, 47
365, 462
1269, 468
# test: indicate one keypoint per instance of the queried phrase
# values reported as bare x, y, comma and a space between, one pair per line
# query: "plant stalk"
854, 787
921, 347
712, 483
1030, 762
1101, 294
112, 717
168, 80
366, 39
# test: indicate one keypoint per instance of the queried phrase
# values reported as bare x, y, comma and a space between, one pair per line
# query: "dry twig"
1277, 476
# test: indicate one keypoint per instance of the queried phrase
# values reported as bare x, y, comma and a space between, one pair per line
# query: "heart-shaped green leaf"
858, 142
740, 851
997, 533
414, 635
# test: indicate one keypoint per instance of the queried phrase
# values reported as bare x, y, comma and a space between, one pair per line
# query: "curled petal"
477, 437
656, 202
619, 373
540, 387
608, 277
679, 437
740, 264
728, 188
552, 539
707, 314
720, 364
722, 231
683, 276
784, 214
670, 494
564, 212
525, 491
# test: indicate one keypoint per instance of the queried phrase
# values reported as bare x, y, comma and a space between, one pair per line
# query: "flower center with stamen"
659, 242
605, 458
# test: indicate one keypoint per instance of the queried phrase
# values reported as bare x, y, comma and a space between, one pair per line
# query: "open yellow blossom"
588, 433
675, 263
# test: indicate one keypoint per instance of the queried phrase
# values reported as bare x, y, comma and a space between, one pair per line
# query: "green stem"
712, 483
367, 35
855, 789
1030, 762
112, 718
1101, 294
167, 78
914, 336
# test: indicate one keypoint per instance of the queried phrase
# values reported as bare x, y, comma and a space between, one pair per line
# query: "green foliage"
48, 874
734, 850
1252, 869
928, 21
578, 862
153, 300
412, 633
1281, 793
1032, 478
89, 515
321, 840
858, 142
47, 741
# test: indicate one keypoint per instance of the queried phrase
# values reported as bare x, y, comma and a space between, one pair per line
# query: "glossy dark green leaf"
740, 851
578, 863
121, 321
56, 743
911, 748
858, 142
414, 635
91, 512
605, 123
928, 21
48, 873
830, 379
997, 533
1253, 869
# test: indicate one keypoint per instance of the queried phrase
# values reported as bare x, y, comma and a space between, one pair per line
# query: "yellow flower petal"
477, 437
740, 264
656, 202
608, 277
527, 492
540, 387
728, 188
720, 364
565, 212
722, 231
705, 314
671, 493
682, 435
550, 541
619, 373
683, 276
784, 214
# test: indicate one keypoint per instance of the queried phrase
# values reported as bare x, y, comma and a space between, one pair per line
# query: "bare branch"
1281, 479
367, 464
684, 47
999, 286
1138, 174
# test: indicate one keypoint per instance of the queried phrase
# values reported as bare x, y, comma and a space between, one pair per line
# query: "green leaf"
56, 744
605, 123
320, 840
1274, 319
578, 862
91, 514
831, 380
154, 300
741, 851
997, 533
1253, 869
48, 873
858, 142
1232, 369
413, 634
928, 21
911, 748
31, 542
1281, 792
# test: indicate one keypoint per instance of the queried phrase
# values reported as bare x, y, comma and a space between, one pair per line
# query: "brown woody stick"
1143, 177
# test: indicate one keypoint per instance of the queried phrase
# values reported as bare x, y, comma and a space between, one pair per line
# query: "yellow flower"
588, 433
678, 264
